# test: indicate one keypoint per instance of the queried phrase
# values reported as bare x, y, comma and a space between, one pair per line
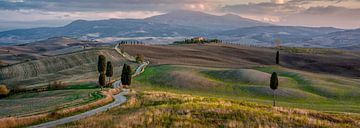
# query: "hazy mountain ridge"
205, 21
347, 39
289, 35
187, 24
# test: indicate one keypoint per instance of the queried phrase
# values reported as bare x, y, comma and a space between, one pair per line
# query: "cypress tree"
102, 80
129, 75
126, 75
101, 64
277, 57
274, 83
109, 70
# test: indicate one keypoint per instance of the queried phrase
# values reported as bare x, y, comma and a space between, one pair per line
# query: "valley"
193, 65
207, 74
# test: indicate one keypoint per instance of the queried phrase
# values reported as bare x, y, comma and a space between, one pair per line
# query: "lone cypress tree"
101, 64
126, 75
102, 80
277, 57
274, 83
109, 71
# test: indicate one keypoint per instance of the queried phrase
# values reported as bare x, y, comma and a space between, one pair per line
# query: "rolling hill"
44, 48
328, 61
69, 68
265, 35
348, 39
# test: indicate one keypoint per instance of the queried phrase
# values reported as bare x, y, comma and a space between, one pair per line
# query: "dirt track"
233, 56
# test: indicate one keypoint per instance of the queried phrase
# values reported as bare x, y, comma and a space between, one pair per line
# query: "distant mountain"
348, 39
289, 35
205, 21
100, 29
178, 25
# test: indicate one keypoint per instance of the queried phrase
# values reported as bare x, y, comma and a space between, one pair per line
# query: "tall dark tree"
101, 64
109, 71
277, 57
274, 83
102, 81
126, 75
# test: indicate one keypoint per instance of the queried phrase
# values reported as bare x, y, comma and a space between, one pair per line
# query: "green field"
297, 88
41, 102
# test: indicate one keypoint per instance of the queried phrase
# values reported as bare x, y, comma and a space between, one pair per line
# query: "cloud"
325, 16
300, 12
275, 11
98, 5
278, 1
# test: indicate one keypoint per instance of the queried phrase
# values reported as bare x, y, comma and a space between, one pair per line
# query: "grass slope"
161, 109
297, 88
328, 61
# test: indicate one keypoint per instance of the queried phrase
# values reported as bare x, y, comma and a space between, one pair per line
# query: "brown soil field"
69, 68
344, 63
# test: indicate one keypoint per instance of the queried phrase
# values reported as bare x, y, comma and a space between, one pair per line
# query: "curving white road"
118, 99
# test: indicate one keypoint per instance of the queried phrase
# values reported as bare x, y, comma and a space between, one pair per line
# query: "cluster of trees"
198, 41
106, 70
131, 42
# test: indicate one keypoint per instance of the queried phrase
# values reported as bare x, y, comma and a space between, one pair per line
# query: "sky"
16, 14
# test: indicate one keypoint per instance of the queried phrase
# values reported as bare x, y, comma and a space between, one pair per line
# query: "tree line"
197, 41
131, 42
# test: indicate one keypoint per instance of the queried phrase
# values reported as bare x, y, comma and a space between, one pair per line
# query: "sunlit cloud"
278, 1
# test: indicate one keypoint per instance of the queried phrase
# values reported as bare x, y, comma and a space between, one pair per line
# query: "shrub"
3, 91
57, 85
139, 58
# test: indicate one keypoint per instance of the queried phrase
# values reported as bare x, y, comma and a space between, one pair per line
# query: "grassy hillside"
74, 67
297, 88
325, 61
162, 109
25, 104
44, 48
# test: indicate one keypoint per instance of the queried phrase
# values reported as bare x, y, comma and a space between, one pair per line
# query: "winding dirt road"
119, 99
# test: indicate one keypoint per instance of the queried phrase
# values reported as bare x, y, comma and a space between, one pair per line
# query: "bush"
139, 58
3, 91
57, 85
